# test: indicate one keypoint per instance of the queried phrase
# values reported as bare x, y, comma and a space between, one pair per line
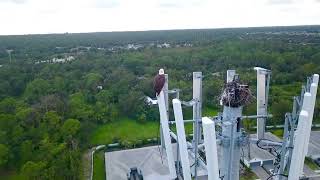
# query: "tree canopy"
49, 109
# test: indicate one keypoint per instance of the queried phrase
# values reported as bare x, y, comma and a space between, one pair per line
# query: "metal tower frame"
297, 130
231, 138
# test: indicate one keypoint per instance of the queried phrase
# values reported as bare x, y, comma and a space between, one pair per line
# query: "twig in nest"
236, 94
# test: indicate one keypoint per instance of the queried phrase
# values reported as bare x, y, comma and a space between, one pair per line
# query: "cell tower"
9, 51
215, 155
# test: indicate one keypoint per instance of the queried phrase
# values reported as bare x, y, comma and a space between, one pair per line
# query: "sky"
74, 16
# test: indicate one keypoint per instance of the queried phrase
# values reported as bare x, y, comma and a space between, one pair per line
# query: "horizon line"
153, 30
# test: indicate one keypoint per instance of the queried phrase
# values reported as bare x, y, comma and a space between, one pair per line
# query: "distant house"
70, 58
187, 45
133, 46
99, 87
166, 45
57, 60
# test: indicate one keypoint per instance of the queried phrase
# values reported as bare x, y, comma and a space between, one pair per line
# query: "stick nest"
236, 94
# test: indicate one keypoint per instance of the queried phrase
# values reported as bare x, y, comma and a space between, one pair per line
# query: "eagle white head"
161, 71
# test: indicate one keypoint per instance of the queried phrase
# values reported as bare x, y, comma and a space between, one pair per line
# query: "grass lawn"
209, 111
124, 130
98, 166
312, 165
130, 130
278, 133
248, 175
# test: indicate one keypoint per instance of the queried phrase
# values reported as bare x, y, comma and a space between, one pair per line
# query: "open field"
125, 130
98, 167
132, 131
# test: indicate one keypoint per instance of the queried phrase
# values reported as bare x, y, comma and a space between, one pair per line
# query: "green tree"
102, 112
69, 132
8, 105
26, 151
279, 109
34, 170
35, 89
105, 96
52, 124
53, 102
114, 113
28, 117
79, 108
92, 80
70, 128
4, 155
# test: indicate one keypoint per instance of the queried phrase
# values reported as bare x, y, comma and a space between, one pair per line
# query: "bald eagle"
158, 82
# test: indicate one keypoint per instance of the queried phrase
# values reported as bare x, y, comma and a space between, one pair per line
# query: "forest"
52, 106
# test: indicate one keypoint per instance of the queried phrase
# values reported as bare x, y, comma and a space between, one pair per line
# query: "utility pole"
197, 116
9, 53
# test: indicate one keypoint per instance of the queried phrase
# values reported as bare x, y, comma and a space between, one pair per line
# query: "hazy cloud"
279, 2
59, 16
169, 5
180, 3
106, 3
14, 1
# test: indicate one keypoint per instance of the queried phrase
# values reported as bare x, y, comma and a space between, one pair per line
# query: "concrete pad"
148, 160
253, 153
314, 145
154, 166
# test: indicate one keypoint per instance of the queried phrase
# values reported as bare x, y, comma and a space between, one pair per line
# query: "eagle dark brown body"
158, 83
